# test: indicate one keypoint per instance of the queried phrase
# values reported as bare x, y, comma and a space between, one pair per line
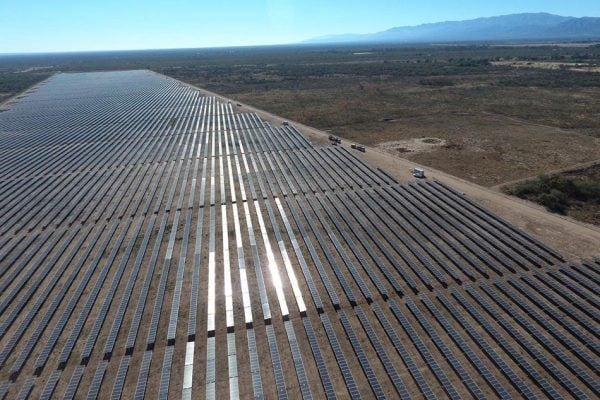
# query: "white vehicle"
419, 173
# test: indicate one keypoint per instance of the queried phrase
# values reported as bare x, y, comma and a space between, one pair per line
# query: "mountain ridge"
527, 26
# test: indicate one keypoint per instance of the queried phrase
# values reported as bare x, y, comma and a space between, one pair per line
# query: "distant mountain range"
536, 26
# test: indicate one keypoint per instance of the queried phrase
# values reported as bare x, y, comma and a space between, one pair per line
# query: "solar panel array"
159, 242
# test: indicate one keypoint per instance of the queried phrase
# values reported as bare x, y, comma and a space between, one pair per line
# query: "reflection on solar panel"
123, 195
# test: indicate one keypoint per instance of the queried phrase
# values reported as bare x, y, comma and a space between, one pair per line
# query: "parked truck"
334, 139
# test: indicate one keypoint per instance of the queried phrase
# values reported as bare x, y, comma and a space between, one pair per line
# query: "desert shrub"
559, 193
561, 78
555, 201
437, 82
16, 82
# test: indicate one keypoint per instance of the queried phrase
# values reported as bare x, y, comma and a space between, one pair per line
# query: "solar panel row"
111, 170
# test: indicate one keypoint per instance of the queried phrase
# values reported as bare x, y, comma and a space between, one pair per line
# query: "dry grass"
492, 134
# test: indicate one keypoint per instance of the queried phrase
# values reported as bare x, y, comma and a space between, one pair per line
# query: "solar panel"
497, 221
342, 253
340, 358
315, 258
424, 351
276, 362
382, 354
363, 169
140, 154
508, 347
142, 380
559, 317
49, 387
559, 287
211, 378
137, 317
586, 270
286, 259
74, 382
119, 381
32, 273
422, 223
94, 388
496, 240
542, 339
466, 349
374, 256
257, 386
308, 181
394, 243
42, 358
585, 356
176, 300
300, 257
339, 167
574, 280
26, 388
232, 366
319, 360
298, 362
362, 357
262, 292
332, 262
496, 259
422, 244
322, 170
473, 244
353, 248
165, 375
320, 184
45, 275
404, 354
445, 350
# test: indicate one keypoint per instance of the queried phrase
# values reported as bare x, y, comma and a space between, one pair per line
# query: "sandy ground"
487, 149
420, 145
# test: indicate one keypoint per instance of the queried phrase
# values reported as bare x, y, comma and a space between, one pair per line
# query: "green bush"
555, 201
437, 82
560, 193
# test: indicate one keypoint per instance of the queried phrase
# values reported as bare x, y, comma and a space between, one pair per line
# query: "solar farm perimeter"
155, 242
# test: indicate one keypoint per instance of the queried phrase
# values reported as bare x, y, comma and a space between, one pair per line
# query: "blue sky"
80, 25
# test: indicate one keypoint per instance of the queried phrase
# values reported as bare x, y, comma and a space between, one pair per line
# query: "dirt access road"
572, 238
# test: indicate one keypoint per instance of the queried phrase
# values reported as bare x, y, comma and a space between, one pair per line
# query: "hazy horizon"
74, 26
